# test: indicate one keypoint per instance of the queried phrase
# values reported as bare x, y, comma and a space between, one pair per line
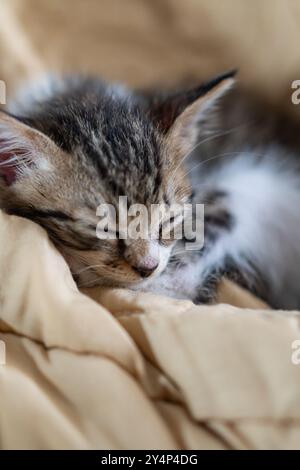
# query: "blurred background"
148, 42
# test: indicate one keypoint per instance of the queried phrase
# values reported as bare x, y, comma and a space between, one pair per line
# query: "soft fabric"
109, 368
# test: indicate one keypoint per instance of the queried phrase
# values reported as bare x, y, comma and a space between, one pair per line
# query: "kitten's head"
87, 144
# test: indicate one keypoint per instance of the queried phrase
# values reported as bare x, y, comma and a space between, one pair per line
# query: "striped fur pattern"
77, 142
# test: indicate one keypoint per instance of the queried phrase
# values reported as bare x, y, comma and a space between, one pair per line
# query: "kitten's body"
242, 169
248, 175
256, 238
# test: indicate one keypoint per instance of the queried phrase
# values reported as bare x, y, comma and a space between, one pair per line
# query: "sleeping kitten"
81, 142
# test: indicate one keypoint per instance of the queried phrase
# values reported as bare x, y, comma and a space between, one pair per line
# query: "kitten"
81, 143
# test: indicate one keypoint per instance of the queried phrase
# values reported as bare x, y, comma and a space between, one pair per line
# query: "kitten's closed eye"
168, 228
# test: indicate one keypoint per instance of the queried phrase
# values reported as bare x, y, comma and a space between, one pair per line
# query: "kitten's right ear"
180, 116
22, 149
165, 110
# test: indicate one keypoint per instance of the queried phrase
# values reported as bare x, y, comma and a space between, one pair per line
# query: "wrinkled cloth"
120, 369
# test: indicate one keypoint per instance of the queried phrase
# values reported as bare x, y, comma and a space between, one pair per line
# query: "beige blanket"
112, 368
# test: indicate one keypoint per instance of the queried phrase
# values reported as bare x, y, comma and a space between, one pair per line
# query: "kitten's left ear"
179, 116
23, 150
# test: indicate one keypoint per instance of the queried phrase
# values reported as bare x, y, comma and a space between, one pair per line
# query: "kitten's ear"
22, 149
180, 115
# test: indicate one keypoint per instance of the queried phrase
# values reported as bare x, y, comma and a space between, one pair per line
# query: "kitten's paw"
206, 294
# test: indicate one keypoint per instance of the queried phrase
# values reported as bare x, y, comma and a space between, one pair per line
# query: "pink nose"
146, 266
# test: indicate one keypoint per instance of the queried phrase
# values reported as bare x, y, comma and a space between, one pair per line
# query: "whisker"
208, 139
221, 155
88, 283
92, 266
175, 255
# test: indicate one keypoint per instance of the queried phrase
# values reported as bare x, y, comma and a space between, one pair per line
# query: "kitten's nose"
146, 267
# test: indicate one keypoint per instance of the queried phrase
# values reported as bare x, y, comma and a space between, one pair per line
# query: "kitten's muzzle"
146, 266
143, 256
145, 271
